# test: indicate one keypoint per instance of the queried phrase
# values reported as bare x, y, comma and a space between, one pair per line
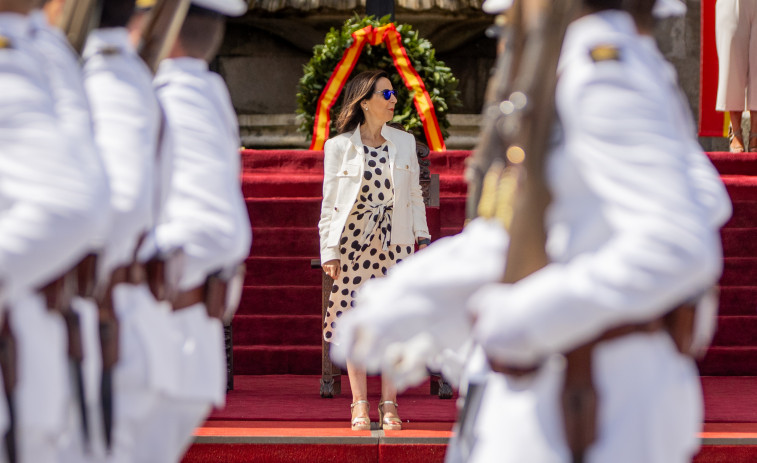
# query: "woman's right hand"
332, 268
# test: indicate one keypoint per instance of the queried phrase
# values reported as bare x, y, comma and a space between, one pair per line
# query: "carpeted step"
304, 212
283, 212
452, 185
281, 271
452, 211
729, 361
277, 360
736, 330
744, 215
449, 231
738, 300
278, 161
741, 187
739, 242
275, 300
739, 271
734, 163
283, 241
284, 330
265, 185
282, 185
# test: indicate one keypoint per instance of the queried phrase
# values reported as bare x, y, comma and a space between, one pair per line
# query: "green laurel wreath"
440, 84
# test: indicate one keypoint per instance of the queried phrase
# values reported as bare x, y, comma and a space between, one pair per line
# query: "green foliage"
437, 77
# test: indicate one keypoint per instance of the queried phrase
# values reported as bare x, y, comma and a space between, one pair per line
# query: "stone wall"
263, 55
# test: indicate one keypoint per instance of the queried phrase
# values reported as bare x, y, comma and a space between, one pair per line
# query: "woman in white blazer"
372, 214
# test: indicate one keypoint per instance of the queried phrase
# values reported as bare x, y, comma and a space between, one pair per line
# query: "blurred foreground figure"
598, 297
50, 206
206, 216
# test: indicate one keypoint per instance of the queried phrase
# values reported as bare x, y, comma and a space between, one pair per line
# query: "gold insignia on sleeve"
605, 53
5, 42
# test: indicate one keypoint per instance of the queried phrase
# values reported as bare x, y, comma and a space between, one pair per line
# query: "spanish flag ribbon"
385, 34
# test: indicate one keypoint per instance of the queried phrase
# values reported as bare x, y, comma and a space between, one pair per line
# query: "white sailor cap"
225, 7
661, 9
668, 8
496, 6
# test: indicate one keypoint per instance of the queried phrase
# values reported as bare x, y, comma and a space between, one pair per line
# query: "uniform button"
406, 166
336, 208
345, 172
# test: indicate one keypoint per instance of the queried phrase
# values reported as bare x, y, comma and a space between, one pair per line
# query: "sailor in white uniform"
632, 232
48, 208
127, 121
72, 106
631, 235
205, 214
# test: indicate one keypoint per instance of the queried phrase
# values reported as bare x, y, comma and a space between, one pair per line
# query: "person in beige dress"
736, 41
372, 215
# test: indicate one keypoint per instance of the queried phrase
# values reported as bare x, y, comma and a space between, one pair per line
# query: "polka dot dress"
365, 246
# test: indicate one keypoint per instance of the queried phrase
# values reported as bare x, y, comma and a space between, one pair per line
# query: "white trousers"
147, 365
42, 390
650, 408
169, 430
736, 41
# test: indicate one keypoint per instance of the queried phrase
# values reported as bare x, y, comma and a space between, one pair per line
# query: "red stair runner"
277, 328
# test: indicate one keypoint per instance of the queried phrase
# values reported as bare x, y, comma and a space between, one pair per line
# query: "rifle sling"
212, 293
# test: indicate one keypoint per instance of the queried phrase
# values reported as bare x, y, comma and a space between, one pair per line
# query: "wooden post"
331, 375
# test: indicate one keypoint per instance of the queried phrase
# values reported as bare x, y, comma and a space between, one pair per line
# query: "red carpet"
296, 398
277, 329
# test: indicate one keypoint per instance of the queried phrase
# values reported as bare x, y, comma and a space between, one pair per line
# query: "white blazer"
343, 165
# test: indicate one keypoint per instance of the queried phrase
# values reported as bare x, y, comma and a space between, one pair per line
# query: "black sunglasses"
387, 93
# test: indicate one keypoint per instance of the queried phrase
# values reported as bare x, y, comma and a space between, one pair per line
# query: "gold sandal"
738, 136
360, 423
389, 424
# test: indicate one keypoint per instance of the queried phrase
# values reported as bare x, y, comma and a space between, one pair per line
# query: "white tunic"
205, 212
46, 203
127, 121
71, 105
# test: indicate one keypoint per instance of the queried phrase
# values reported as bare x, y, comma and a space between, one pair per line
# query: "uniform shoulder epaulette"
5, 42
605, 52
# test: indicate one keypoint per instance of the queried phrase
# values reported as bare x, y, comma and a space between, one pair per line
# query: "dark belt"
133, 273
189, 298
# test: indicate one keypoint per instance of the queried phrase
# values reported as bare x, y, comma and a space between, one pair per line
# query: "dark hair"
202, 32
360, 88
641, 10
116, 13
604, 4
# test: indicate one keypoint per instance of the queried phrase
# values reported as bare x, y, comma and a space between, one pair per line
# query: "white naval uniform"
127, 122
205, 214
72, 106
47, 208
630, 236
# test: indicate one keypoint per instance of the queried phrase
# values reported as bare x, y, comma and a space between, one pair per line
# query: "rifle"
9, 369
520, 114
162, 28
78, 19
58, 294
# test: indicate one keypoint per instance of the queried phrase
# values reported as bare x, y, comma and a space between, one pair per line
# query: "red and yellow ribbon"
385, 34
